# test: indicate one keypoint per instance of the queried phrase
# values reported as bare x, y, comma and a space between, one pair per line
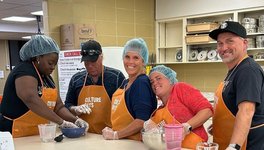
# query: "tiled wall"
116, 21
203, 76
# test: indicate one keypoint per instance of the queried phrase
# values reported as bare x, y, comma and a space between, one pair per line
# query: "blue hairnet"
38, 45
166, 71
137, 45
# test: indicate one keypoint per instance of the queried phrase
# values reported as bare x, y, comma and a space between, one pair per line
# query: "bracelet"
236, 146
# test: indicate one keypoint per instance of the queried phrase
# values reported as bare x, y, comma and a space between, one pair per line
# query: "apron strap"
6, 117
257, 126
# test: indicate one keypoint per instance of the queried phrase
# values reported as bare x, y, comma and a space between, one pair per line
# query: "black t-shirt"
12, 106
246, 83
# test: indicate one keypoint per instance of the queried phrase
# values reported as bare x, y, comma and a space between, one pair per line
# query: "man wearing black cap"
238, 122
90, 91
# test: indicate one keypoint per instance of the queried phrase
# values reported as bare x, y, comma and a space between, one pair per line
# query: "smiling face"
161, 85
47, 63
133, 63
231, 48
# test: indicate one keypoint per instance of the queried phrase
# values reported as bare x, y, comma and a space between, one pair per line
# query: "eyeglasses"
90, 52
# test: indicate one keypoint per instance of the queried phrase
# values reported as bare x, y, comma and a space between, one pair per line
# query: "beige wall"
204, 76
4, 60
116, 21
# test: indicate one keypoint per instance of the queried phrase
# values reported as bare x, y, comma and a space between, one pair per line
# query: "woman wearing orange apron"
134, 101
238, 122
30, 97
181, 104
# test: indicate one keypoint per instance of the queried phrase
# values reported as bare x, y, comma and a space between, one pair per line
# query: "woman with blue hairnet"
134, 102
30, 96
181, 103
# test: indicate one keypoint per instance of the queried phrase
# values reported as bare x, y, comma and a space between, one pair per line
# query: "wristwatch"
236, 146
187, 127
190, 128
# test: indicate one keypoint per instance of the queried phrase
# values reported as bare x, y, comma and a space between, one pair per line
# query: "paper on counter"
6, 141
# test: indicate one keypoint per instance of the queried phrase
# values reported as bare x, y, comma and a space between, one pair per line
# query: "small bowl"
73, 132
154, 140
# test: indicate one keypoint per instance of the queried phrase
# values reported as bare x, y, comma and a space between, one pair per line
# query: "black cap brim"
92, 58
214, 34
229, 26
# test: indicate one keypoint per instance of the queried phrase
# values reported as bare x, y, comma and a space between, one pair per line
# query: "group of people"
125, 106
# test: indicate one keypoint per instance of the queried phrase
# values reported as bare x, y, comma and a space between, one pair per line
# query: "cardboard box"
202, 38
72, 35
201, 27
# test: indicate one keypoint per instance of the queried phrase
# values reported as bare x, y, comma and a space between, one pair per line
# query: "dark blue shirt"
246, 83
113, 79
140, 99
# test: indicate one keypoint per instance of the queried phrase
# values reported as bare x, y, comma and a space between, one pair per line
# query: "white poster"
70, 63
2, 75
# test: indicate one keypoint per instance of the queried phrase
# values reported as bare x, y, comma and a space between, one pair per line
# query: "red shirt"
185, 102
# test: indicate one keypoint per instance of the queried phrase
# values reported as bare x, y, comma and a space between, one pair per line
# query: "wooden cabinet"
170, 40
179, 40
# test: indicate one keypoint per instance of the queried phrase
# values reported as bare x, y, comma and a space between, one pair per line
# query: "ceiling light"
18, 19
26, 37
38, 13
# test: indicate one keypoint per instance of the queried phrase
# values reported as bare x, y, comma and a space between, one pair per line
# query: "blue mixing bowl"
73, 132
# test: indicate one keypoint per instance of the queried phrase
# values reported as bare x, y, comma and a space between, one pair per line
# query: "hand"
81, 109
81, 123
109, 134
186, 129
67, 124
149, 125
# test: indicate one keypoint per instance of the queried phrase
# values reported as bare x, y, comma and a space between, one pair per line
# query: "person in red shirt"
181, 103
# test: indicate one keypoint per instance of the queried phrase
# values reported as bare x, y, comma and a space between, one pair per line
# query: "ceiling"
16, 30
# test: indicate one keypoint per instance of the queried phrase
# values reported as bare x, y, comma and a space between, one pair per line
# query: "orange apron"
98, 100
120, 116
190, 141
27, 124
223, 120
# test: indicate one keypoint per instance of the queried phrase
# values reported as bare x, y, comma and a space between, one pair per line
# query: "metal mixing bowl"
154, 140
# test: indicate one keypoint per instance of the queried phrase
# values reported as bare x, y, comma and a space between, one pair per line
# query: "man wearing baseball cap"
90, 91
238, 122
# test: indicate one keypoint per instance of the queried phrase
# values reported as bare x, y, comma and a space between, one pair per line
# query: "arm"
200, 118
26, 88
143, 103
242, 122
200, 108
132, 128
63, 112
